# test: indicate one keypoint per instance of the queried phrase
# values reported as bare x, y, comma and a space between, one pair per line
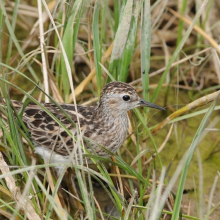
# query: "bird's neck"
105, 112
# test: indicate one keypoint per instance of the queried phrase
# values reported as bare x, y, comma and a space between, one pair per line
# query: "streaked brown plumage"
106, 124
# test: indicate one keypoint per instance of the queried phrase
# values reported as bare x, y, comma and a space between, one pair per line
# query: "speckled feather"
106, 124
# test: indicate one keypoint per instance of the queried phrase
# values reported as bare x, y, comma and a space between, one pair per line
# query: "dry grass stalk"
195, 104
20, 199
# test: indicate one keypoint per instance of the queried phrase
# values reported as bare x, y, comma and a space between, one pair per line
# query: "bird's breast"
110, 133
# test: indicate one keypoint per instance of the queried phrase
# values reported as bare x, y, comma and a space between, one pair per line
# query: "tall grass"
69, 42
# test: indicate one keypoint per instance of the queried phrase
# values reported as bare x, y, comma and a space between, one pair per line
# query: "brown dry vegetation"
192, 74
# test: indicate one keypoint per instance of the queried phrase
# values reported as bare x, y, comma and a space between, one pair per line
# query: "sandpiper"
106, 124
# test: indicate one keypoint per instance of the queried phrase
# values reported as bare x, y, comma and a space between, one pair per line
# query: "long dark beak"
142, 102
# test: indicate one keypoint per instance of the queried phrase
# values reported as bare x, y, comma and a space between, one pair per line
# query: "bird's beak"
142, 102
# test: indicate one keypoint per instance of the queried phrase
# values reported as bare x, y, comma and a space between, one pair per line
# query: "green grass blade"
14, 18
129, 47
1, 28
69, 41
10, 207
96, 44
137, 112
181, 23
121, 38
116, 14
188, 159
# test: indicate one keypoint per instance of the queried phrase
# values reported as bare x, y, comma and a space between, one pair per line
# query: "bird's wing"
46, 132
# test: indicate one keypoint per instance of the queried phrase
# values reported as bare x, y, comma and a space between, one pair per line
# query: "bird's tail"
3, 107
16, 104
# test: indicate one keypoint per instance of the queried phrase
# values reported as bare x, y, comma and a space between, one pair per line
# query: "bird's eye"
126, 97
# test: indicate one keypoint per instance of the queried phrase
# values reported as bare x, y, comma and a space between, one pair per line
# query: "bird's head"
121, 97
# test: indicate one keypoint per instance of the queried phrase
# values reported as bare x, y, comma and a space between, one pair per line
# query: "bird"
104, 125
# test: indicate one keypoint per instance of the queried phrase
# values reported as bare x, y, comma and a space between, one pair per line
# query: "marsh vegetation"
66, 51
